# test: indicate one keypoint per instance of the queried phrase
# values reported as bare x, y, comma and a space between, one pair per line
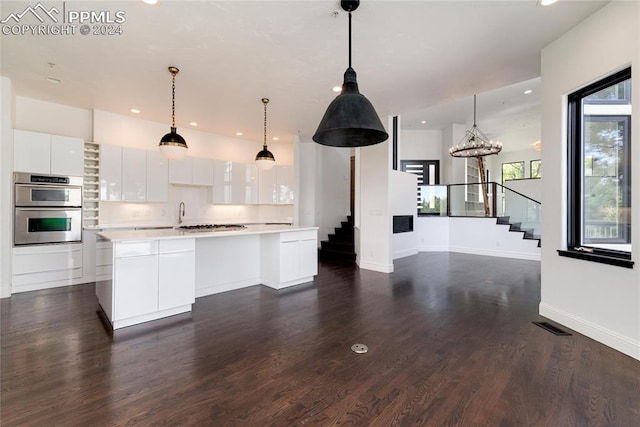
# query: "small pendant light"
264, 158
350, 119
172, 145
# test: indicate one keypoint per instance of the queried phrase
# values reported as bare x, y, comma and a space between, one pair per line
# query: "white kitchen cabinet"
31, 152
191, 171
289, 258
110, 172
47, 154
180, 171
157, 177
177, 273
308, 256
276, 186
134, 175
67, 156
267, 190
285, 184
46, 266
202, 171
221, 191
244, 185
136, 292
150, 279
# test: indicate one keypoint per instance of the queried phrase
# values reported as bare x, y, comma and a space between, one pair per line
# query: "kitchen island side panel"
227, 263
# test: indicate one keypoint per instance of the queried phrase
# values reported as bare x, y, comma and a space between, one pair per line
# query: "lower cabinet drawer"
139, 248
48, 258
294, 236
47, 276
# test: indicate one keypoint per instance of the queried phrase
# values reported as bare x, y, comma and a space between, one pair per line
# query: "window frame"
575, 248
522, 174
425, 177
531, 169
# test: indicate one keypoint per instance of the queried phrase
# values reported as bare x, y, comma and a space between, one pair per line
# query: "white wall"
117, 129
57, 119
403, 202
494, 163
598, 300
452, 169
6, 184
325, 185
479, 236
420, 145
373, 230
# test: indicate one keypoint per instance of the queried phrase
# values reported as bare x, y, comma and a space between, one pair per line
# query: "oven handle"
50, 209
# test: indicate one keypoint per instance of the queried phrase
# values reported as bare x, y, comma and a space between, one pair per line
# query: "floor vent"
553, 329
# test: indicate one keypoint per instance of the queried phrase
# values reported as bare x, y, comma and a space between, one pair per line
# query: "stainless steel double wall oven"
48, 209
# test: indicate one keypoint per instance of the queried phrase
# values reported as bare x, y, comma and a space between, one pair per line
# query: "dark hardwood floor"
450, 343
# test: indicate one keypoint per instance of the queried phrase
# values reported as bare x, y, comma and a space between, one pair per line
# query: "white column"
6, 181
374, 225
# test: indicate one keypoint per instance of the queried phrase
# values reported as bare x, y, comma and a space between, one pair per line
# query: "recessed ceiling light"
135, 111
546, 2
239, 133
528, 91
423, 122
337, 89
275, 138
53, 80
193, 123
150, 1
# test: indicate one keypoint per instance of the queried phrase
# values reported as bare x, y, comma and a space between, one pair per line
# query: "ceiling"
422, 60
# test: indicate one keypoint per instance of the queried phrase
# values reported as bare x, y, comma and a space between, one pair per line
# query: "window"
428, 172
535, 170
513, 170
599, 222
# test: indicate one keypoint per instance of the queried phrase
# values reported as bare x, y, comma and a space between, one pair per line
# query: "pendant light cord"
264, 101
173, 100
474, 110
349, 39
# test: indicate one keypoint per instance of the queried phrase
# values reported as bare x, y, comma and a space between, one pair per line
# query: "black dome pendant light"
264, 158
172, 145
350, 119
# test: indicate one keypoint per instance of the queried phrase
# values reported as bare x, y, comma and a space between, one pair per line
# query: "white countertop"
158, 234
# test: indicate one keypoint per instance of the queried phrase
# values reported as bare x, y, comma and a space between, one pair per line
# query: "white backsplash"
197, 211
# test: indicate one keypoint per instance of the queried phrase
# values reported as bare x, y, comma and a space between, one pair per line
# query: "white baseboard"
405, 253
501, 254
5, 291
382, 268
205, 290
619, 342
433, 249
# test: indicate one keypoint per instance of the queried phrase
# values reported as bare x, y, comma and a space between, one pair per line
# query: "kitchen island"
144, 275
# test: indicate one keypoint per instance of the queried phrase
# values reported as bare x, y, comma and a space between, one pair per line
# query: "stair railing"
465, 200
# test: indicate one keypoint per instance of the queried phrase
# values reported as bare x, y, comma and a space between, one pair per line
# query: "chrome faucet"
180, 212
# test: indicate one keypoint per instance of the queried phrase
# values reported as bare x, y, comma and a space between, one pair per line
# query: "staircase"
529, 233
340, 246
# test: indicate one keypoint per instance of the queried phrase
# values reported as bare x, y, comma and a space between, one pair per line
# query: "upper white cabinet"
284, 179
191, 171
234, 183
48, 154
157, 177
267, 194
244, 183
110, 172
202, 172
276, 185
134, 175
221, 181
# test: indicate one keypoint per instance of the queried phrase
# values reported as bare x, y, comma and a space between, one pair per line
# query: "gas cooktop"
211, 227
